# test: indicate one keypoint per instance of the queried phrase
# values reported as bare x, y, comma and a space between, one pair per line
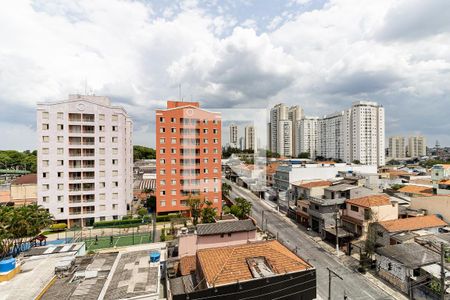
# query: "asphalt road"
354, 285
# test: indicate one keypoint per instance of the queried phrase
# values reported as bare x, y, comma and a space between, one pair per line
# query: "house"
437, 205
347, 191
265, 269
322, 213
439, 176
360, 212
24, 190
303, 190
401, 265
385, 230
302, 212
234, 232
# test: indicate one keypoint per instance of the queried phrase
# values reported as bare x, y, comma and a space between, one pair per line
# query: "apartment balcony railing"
75, 177
74, 212
74, 201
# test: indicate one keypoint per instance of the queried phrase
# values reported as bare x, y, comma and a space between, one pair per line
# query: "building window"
173, 161
102, 184
173, 140
45, 126
60, 151
162, 193
60, 127
45, 151
173, 182
173, 150
115, 183
162, 151
45, 115
162, 203
114, 118
60, 139
45, 163
102, 196
162, 129
101, 117
60, 115
115, 161
60, 198
102, 173
162, 140
101, 128
60, 174
115, 150
102, 150
174, 202
61, 210
173, 130
45, 199
45, 175
60, 162
115, 195
174, 171
162, 182
115, 173
354, 208
45, 139
173, 120
102, 162
114, 139
173, 192
161, 119
60, 186
45, 187
115, 128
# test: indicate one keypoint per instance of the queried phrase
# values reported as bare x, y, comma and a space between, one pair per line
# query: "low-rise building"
303, 190
322, 213
220, 234
401, 265
347, 191
385, 230
360, 212
416, 191
24, 190
266, 270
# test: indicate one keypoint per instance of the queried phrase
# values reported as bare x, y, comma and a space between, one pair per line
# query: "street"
354, 285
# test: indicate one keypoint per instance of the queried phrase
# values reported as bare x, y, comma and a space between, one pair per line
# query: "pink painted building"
220, 234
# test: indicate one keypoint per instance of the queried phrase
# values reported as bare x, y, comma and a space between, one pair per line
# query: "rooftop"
312, 184
26, 179
187, 264
227, 265
414, 223
370, 201
225, 227
417, 189
411, 255
341, 187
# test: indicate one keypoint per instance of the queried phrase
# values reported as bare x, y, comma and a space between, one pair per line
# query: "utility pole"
442, 272
330, 274
337, 231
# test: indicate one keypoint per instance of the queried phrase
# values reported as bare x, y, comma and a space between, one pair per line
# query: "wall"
434, 205
23, 193
398, 274
189, 244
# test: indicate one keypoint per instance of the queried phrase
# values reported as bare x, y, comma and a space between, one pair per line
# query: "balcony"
88, 118
74, 117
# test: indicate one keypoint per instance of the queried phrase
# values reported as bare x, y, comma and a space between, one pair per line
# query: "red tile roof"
312, 184
370, 201
188, 265
26, 179
229, 264
414, 223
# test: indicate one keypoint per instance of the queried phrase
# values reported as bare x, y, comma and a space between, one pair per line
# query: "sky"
321, 55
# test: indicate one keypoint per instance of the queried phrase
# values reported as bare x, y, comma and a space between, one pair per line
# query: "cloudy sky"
322, 55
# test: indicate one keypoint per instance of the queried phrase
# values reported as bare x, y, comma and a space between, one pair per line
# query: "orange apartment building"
188, 156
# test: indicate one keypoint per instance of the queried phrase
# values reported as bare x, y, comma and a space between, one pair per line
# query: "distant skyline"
321, 55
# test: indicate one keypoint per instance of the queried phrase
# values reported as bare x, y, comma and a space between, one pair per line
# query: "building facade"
396, 147
233, 135
295, 114
188, 157
284, 139
250, 137
307, 136
417, 146
85, 159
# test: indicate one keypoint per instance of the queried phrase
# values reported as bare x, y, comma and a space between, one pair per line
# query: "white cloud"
321, 59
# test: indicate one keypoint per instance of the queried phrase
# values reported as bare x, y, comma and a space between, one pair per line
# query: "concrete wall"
398, 274
433, 205
24, 193
189, 244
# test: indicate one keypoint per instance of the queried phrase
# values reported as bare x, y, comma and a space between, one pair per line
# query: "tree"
142, 152
241, 209
195, 205
304, 155
226, 189
151, 203
19, 225
208, 213
142, 212
11, 159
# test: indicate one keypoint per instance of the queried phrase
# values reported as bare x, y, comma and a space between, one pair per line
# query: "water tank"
154, 256
7, 265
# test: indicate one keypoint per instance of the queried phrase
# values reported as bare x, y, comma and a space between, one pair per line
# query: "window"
60, 127
45, 187
45, 126
216, 200
173, 150
115, 173
174, 202
174, 171
60, 116
115, 195
205, 160
45, 151
60, 162
354, 208
162, 140
161, 119
102, 184
61, 210
115, 150
60, 174
162, 161
205, 171
114, 118
102, 196
215, 170
60, 151
173, 140
205, 141
102, 162
60, 198
45, 163
205, 150
215, 151
115, 128
115, 161
162, 151
173, 192
45, 115
101, 117
173, 120
205, 130
162, 203
45, 175
115, 183
215, 141
162, 129
45, 199
102, 150
162, 193
173, 182
162, 172
173, 161
162, 182
60, 139
102, 173
101, 128
45, 139
60, 186
114, 139
215, 131
173, 130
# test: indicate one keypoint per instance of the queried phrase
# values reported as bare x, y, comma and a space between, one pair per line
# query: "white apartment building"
284, 138
330, 133
307, 136
396, 147
233, 135
250, 137
367, 134
85, 159
278, 114
417, 146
